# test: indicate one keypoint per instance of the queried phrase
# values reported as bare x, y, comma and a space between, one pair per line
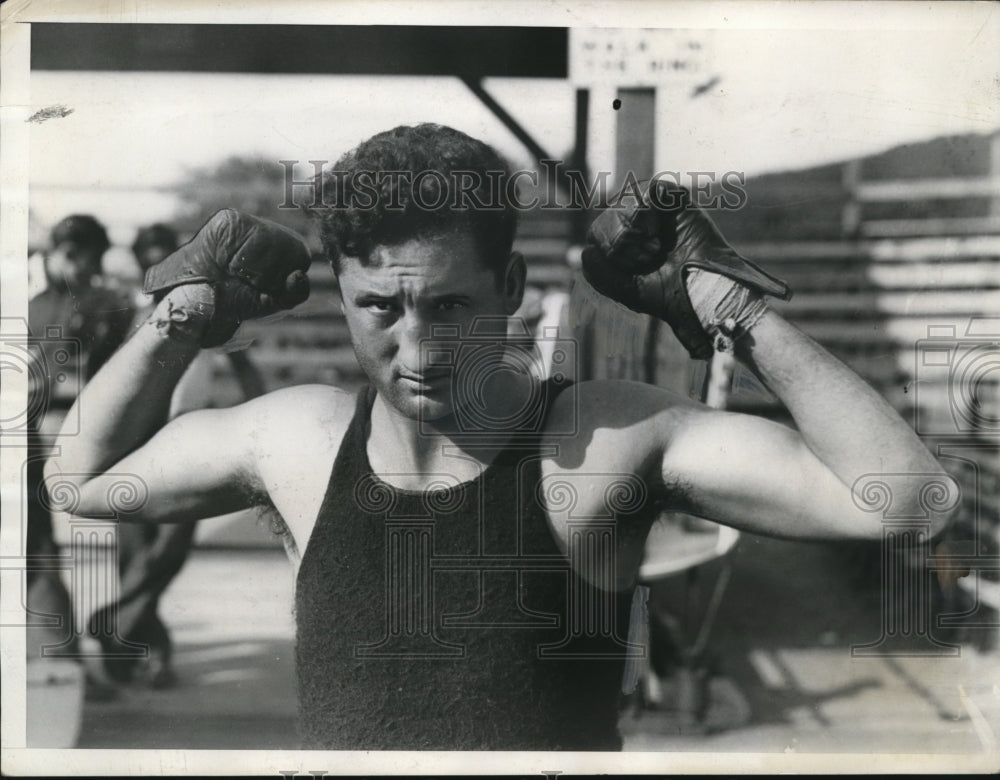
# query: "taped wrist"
726, 309
183, 314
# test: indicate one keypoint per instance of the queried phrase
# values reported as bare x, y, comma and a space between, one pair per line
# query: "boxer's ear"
514, 281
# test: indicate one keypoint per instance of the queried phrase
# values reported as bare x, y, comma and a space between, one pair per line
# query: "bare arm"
199, 465
661, 255
237, 267
764, 477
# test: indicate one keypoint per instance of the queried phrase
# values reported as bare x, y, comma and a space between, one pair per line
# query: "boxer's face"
392, 304
72, 264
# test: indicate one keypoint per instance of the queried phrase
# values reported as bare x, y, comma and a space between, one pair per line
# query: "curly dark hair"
156, 234
81, 229
417, 181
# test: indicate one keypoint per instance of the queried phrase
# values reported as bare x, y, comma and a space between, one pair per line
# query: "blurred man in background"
74, 306
151, 556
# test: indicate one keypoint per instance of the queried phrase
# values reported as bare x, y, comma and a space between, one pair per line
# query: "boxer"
515, 638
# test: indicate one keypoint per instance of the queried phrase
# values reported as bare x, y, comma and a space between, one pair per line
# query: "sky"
784, 99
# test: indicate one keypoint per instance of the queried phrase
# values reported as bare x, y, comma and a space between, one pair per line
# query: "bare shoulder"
606, 441
603, 425
326, 400
616, 404
299, 420
297, 433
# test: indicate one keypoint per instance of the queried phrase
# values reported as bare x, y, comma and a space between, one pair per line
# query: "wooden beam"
515, 127
405, 50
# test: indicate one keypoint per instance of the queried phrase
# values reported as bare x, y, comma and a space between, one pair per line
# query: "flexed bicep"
199, 465
758, 476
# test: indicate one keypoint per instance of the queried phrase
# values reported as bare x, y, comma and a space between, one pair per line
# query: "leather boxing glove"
640, 253
254, 266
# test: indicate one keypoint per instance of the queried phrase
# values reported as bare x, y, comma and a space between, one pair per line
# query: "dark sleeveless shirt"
448, 619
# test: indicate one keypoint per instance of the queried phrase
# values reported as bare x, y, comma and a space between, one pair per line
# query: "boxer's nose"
412, 331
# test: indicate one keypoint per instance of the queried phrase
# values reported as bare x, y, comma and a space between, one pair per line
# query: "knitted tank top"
448, 619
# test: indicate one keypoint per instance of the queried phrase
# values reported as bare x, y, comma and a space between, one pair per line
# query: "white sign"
638, 58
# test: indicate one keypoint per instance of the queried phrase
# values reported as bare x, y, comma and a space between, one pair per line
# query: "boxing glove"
254, 266
640, 252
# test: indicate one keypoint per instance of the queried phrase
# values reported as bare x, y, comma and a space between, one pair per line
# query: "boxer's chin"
421, 404
433, 411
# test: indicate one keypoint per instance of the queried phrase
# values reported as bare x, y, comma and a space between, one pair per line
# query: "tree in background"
254, 185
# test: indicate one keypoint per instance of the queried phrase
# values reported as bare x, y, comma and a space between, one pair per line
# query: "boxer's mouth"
422, 380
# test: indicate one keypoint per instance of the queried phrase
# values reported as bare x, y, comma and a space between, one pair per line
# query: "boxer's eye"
378, 305
452, 303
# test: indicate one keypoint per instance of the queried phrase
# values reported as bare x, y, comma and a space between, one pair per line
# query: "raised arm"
665, 258
202, 463
185, 469
808, 483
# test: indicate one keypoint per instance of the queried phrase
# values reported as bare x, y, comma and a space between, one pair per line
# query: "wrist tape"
726, 309
184, 313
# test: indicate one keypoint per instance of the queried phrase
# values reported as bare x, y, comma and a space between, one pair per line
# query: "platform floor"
780, 654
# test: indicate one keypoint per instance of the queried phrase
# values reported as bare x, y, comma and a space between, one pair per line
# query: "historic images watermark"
956, 381
498, 556
51, 364
415, 626
550, 187
89, 560
906, 618
467, 360
48, 368
963, 364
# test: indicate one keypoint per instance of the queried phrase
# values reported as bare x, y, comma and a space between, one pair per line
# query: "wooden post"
994, 172
851, 216
635, 128
635, 139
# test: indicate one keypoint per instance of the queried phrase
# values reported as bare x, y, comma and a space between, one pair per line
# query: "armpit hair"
675, 490
268, 515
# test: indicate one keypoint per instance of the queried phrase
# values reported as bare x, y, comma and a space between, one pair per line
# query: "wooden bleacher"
891, 250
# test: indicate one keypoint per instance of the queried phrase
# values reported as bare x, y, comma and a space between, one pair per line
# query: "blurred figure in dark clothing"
152, 244
150, 556
74, 307
75, 298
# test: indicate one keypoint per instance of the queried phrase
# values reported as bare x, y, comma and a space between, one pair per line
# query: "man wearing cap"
74, 307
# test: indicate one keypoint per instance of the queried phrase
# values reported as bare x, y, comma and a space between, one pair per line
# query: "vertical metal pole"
851, 218
994, 171
581, 214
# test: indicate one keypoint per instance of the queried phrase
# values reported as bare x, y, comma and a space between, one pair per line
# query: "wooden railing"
861, 193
